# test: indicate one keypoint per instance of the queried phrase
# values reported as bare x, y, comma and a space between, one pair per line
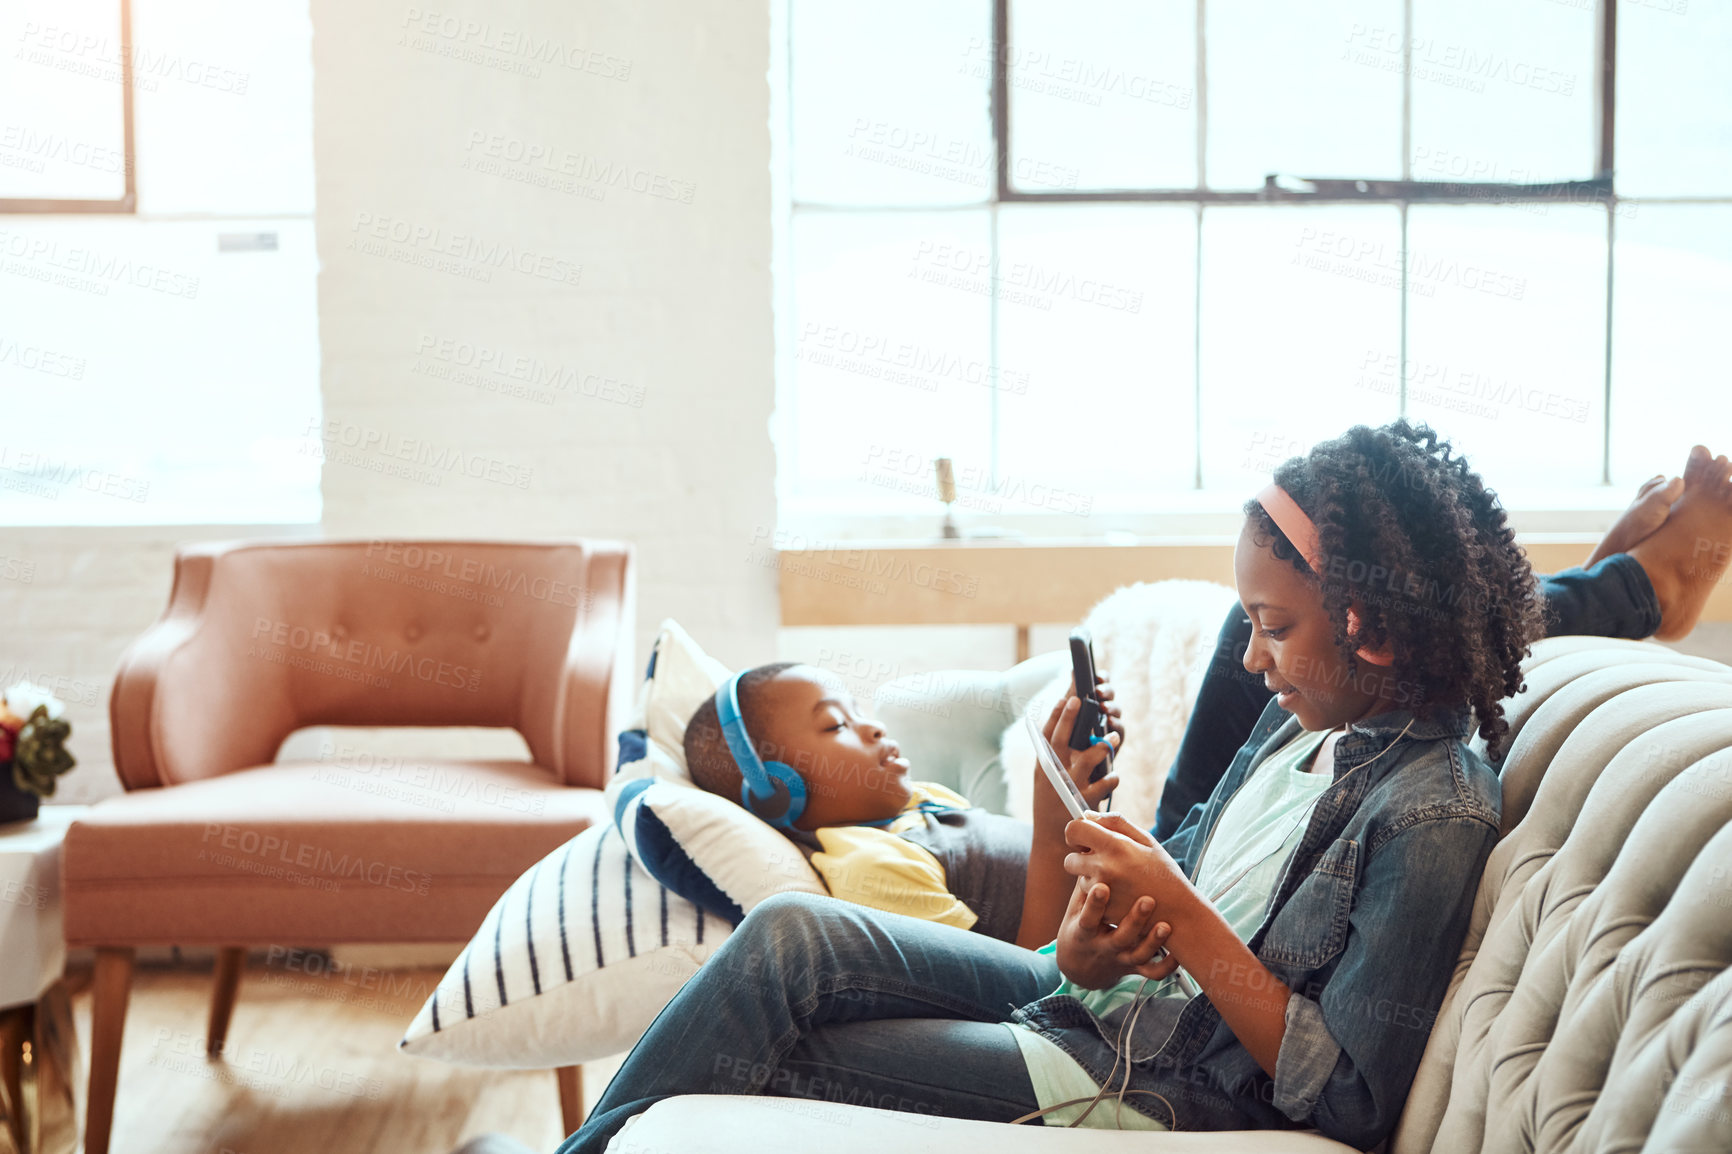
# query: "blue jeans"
1612, 599
812, 997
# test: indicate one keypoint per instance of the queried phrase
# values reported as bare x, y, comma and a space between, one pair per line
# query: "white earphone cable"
1122, 1045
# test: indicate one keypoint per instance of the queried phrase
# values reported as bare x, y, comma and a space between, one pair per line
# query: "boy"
874, 837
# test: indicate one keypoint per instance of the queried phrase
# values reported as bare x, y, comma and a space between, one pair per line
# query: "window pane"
224, 107
1291, 91
1501, 91
890, 102
1096, 352
1506, 337
891, 361
152, 379
1674, 108
61, 134
1103, 95
1671, 295
1299, 306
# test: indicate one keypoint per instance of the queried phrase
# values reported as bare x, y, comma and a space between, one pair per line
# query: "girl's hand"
1095, 955
1049, 812
1111, 851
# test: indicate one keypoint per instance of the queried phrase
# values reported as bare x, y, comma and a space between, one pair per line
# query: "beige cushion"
314, 853
796, 1126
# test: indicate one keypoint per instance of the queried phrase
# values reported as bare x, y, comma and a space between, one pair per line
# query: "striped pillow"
572, 963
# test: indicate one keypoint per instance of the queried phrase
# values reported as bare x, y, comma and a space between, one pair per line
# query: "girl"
1316, 903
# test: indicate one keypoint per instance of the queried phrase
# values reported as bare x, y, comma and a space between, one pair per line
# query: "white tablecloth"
30, 936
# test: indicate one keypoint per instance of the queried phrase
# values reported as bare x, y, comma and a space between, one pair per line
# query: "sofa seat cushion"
799, 1126
314, 853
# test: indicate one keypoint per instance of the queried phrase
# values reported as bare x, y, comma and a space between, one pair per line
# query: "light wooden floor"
312, 1067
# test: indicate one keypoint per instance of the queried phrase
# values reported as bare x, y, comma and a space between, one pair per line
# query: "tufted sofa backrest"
1592, 1005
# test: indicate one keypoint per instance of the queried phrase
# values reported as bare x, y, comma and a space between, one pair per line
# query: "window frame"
127, 203
1557, 510
1405, 191
1402, 194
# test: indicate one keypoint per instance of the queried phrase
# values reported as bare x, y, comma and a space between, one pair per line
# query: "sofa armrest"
760, 1125
949, 722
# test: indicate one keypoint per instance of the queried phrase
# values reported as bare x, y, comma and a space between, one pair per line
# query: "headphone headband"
758, 785
1301, 530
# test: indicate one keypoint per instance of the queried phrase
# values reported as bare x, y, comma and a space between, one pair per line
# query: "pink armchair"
216, 844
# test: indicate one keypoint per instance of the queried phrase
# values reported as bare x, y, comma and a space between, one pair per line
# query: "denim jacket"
1364, 929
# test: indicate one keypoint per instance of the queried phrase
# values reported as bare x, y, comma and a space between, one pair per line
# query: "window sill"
1561, 516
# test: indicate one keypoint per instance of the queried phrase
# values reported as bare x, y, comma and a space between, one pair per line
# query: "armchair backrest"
262, 638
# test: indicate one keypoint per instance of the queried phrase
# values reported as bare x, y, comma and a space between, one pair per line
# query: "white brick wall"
672, 305
671, 313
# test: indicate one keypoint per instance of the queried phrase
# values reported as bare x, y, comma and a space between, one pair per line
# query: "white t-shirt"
1242, 864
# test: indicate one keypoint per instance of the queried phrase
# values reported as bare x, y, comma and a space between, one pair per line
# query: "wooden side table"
41, 1075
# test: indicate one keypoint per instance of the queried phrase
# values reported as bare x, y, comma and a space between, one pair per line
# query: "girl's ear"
1384, 655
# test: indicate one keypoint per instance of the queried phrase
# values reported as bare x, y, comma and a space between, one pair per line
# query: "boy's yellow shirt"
875, 867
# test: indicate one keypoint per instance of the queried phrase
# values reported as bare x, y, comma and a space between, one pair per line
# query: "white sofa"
1592, 1005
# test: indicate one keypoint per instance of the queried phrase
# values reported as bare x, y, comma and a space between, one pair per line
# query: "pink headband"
1302, 532
1291, 520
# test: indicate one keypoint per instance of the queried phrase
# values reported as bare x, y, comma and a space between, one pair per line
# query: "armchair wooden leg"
230, 961
570, 1097
111, 989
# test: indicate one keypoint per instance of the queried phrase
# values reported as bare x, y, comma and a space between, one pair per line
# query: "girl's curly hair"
1412, 537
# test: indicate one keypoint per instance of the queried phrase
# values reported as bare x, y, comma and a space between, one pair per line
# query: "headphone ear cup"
774, 808
784, 784
784, 774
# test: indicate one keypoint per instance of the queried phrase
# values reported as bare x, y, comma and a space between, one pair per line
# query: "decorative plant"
33, 738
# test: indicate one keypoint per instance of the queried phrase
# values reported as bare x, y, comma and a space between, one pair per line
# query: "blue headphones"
760, 776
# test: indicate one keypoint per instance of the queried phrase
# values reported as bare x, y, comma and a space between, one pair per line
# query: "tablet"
1054, 769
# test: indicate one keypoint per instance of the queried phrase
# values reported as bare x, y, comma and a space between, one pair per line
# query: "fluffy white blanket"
1155, 641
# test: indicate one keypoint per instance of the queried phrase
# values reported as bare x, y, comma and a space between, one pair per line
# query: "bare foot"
1646, 513
1690, 551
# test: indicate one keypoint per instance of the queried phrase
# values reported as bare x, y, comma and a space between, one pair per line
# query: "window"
66, 145
158, 327
1122, 259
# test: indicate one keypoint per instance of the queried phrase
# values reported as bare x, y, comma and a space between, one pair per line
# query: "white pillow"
572, 964
679, 677
705, 848
577, 958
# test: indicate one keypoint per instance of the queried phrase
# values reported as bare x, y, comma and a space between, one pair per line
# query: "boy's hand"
1095, 955
1049, 812
1109, 850
1104, 694
1096, 793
